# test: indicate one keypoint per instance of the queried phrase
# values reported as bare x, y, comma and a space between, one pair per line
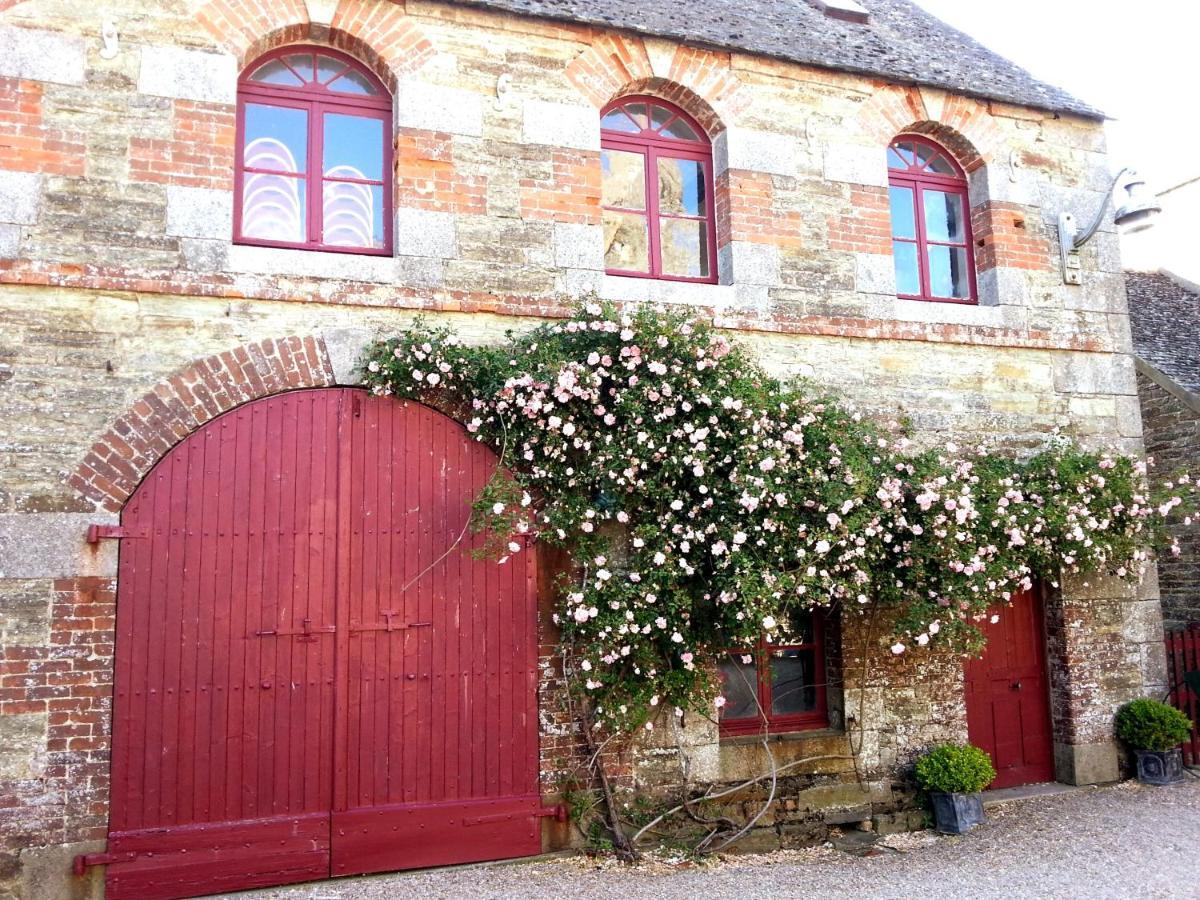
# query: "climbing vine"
704, 501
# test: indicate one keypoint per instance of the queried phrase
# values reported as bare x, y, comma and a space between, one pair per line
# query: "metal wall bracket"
1072, 268
97, 533
84, 861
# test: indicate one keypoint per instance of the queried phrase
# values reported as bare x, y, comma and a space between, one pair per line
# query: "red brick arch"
182, 402
382, 35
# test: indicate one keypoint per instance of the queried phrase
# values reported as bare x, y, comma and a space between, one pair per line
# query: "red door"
1008, 697
312, 677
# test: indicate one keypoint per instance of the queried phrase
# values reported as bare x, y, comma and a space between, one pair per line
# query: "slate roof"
901, 42
1164, 317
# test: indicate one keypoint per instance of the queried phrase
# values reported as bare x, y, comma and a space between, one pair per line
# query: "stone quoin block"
10, 241
188, 74
752, 263
20, 197
560, 125
41, 55
856, 164
756, 151
199, 212
52, 545
874, 274
423, 232
432, 107
578, 246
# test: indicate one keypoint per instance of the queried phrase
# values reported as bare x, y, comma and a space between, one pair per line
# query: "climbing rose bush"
703, 500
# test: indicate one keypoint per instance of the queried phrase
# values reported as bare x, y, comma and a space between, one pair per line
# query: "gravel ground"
1121, 841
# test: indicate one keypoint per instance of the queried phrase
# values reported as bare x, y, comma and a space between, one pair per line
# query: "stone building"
1164, 311
208, 207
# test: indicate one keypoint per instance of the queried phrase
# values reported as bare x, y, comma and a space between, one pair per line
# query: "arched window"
657, 192
931, 222
314, 154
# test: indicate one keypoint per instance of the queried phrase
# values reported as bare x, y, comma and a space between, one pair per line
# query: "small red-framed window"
657, 194
931, 223
777, 683
314, 154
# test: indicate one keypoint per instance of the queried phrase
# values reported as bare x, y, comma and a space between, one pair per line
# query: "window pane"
626, 242
276, 138
659, 116
684, 248
894, 160
905, 152
275, 72
904, 220
908, 272
948, 272
795, 627
353, 147
682, 130
302, 63
329, 68
273, 208
681, 187
353, 82
624, 175
943, 216
637, 112
618, 121
793, 682
352, 215
739, 687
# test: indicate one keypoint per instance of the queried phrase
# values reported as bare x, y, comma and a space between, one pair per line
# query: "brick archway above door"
179, 404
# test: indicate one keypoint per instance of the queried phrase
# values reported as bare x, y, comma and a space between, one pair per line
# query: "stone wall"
129, 317
1171, 417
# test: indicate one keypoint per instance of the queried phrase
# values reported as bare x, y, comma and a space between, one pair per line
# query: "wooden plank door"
1008, 697
223, 696
437, 711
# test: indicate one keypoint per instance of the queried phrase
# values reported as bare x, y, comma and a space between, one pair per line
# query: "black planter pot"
1159, 766
957, 813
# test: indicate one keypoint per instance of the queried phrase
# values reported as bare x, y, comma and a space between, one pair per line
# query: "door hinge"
557, 812
97, 533
84, 860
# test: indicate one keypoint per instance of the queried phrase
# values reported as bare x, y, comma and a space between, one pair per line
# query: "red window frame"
917, 178
651, 145
809, 721
317, 100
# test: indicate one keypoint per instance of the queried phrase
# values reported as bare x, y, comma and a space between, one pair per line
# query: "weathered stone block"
10, 241
422, 232
756, 151
579, 246
22, 746
20, 197
1086, 763
41, 55
752, 263
52, 545
25, 612
197, 212
187, 74
874, 274
433, 107
345, 347
560, 125
856, 164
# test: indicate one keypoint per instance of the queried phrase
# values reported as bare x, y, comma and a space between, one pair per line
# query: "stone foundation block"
1086, 763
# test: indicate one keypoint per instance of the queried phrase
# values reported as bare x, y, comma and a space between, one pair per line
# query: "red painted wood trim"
316, 101
652, 146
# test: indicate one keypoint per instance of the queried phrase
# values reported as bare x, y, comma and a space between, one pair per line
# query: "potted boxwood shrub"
954, 774
1154, 731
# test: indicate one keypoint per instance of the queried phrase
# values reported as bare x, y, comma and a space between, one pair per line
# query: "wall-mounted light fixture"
1134, 206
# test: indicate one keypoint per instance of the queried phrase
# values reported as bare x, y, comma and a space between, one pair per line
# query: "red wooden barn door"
223, 731
1008, 699
438, 763
311, 678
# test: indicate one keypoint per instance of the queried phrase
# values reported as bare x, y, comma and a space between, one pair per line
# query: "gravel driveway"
1121, 841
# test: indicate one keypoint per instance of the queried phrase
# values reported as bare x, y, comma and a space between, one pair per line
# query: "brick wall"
1172, 431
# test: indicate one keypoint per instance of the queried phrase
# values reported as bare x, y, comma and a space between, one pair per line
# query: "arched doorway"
313, 674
